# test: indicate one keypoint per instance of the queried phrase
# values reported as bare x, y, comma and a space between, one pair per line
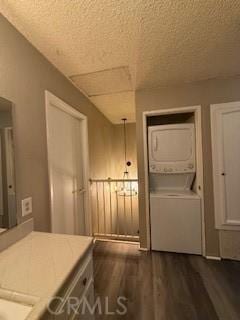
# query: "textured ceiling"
163, 42
117, 106
105, 81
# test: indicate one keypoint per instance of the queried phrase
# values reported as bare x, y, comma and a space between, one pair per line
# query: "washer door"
176, 224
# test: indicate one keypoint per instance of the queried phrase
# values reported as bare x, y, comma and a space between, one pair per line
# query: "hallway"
164, 286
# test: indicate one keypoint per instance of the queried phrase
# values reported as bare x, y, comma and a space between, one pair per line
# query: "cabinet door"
85, 311
225, 120
81, 286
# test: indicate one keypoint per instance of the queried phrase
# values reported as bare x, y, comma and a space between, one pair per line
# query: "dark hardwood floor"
164, 286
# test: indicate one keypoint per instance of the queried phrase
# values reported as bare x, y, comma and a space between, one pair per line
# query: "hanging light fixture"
128, 187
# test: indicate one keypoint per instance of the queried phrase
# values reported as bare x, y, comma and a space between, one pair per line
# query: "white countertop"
39, 264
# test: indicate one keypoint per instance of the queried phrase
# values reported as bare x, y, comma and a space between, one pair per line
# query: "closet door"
66, 166
225, 122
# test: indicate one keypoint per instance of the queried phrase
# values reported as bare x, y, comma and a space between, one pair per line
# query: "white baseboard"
116, 241
213, 258
143, 249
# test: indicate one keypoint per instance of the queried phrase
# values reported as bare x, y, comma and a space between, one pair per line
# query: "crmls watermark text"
83, 306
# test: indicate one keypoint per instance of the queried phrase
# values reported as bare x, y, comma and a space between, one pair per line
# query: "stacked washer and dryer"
175, 208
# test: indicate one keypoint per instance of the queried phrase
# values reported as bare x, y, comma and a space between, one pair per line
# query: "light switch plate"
26, 206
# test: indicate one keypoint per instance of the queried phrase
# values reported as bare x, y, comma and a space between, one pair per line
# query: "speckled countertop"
35, 268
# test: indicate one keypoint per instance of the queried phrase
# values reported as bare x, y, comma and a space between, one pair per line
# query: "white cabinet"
85, 312
78, 298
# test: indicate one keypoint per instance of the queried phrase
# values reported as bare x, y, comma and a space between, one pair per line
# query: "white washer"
176, 221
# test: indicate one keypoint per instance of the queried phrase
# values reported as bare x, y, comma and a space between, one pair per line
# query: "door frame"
199, 159
220, 218
52, 100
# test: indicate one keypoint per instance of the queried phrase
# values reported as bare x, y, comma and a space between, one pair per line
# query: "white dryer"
171, 148
175, 211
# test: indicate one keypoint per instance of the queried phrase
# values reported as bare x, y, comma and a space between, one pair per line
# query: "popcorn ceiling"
163, 42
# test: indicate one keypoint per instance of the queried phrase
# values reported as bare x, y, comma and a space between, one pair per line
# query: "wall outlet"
26, 206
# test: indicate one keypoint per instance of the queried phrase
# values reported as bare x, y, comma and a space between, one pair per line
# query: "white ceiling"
117, 106
162, 42
115, 80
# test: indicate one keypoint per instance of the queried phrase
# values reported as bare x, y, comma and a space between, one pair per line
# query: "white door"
225, 121
67, 171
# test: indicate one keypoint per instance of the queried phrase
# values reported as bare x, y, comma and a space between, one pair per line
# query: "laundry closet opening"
175, 185
114, 199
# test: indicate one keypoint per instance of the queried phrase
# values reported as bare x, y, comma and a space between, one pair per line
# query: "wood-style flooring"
164, 286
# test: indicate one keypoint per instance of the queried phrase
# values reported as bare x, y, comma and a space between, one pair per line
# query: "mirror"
8, 216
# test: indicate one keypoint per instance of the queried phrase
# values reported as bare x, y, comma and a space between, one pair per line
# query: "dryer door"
172, 148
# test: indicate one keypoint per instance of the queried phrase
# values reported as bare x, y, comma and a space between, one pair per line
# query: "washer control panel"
168, 169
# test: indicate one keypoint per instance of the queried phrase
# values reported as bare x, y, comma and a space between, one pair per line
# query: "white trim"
213, 258
146, 178
116, 241
51, 99
143, 249
221, 220
199, 156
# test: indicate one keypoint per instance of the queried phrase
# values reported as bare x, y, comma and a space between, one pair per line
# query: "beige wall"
118, 150
202, 93
24, 75
117, 214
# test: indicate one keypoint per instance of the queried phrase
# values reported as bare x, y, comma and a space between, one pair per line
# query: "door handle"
223, 173
84, 282
79, 190
156, 144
